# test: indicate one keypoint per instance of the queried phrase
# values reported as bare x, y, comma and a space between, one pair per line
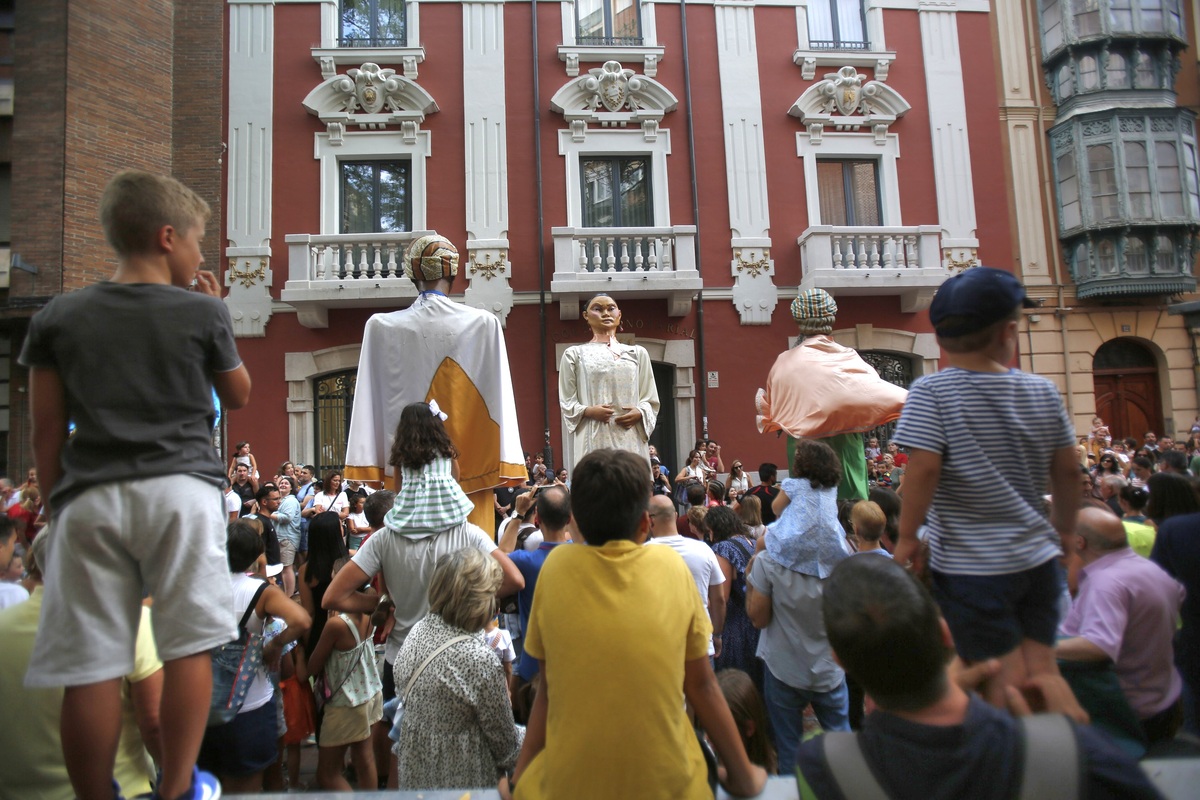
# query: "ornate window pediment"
613, 97
847, 101
370, 98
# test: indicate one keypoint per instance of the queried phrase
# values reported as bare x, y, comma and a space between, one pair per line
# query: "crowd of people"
625, 632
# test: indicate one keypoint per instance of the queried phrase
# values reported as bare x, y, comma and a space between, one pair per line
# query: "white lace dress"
613, 374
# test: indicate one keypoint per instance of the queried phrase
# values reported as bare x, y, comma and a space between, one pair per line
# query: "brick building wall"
119, 115
100, 86
198, 131
39, 142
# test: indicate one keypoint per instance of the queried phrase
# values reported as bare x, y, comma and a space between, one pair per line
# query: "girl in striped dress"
430, 499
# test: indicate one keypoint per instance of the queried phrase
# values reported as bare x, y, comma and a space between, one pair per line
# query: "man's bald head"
1101, 530
662, 516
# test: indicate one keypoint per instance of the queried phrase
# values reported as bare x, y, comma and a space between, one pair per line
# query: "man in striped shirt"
984, 442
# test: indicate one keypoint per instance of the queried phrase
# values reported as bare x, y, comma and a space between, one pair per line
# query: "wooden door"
1129, 402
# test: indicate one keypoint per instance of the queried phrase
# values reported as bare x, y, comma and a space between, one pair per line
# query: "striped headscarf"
814, 311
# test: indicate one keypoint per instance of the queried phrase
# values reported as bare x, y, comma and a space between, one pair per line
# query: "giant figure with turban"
820, 389
437, 349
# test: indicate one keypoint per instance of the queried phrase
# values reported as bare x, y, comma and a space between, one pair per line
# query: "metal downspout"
702, 376
547, 450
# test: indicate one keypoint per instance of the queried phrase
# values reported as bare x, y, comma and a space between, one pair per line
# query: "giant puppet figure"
606, 389
820, 389
437, 349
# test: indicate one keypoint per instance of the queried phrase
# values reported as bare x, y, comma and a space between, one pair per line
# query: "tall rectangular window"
1068, 191
1102, 176
837, 25
1137, 180
616, 192
1087, 16
1052, 29
608, 22
375, 197
849, 193
372, 23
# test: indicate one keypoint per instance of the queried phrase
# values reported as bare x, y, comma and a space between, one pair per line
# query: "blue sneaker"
205, 786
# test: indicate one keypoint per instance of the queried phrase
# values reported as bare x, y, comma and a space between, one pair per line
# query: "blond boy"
132, 362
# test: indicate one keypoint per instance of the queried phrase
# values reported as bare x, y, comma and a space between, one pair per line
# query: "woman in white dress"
606, 389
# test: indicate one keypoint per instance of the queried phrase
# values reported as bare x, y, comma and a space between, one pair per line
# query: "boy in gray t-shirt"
132, 362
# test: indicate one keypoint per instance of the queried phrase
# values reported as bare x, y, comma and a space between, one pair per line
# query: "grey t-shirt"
407, 564
794, 646
136, 362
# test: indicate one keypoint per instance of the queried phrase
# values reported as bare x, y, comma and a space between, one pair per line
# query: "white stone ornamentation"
370, 98
754, 293
488, 270
613, 97
847, 101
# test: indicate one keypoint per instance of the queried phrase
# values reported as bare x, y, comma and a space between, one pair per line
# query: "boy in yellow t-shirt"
600, 734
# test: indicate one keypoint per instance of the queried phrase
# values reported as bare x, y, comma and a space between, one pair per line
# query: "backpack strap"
1051, 762
1052, 765
253, 603
742, 547
848, 766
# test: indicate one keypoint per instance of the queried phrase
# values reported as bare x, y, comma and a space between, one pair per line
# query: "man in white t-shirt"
233, 504
700, 559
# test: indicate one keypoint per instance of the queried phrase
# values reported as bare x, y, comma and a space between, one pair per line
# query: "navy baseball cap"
976, 297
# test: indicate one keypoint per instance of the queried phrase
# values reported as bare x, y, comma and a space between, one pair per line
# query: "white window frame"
574, 54
329, 56
876, 56
366, 146
861, 146
331, 18
599, 143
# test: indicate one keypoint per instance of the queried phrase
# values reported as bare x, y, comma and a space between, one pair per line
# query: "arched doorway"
1125, 382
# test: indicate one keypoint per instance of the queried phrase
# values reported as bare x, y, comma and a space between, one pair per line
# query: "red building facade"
700, 163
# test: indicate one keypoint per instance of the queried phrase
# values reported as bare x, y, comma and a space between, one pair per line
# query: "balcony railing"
647, 262
384, 41
359, 270
833, 44
906, 261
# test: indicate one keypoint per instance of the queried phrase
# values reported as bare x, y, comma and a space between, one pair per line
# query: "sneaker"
205, 786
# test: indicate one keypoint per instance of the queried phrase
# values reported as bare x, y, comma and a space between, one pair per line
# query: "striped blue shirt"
996, 433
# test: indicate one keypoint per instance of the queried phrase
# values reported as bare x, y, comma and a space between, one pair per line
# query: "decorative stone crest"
372, 88
847, 101
370, 98
613, 97
613, 87
846, 89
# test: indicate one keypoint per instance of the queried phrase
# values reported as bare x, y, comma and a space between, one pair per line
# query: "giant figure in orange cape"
820, 389
443, 350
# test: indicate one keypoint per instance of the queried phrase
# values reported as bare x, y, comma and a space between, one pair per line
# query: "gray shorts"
162, 536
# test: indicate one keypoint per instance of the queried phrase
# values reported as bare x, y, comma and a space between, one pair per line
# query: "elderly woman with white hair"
457, 729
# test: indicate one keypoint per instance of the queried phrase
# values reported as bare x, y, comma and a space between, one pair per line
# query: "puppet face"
602, 314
